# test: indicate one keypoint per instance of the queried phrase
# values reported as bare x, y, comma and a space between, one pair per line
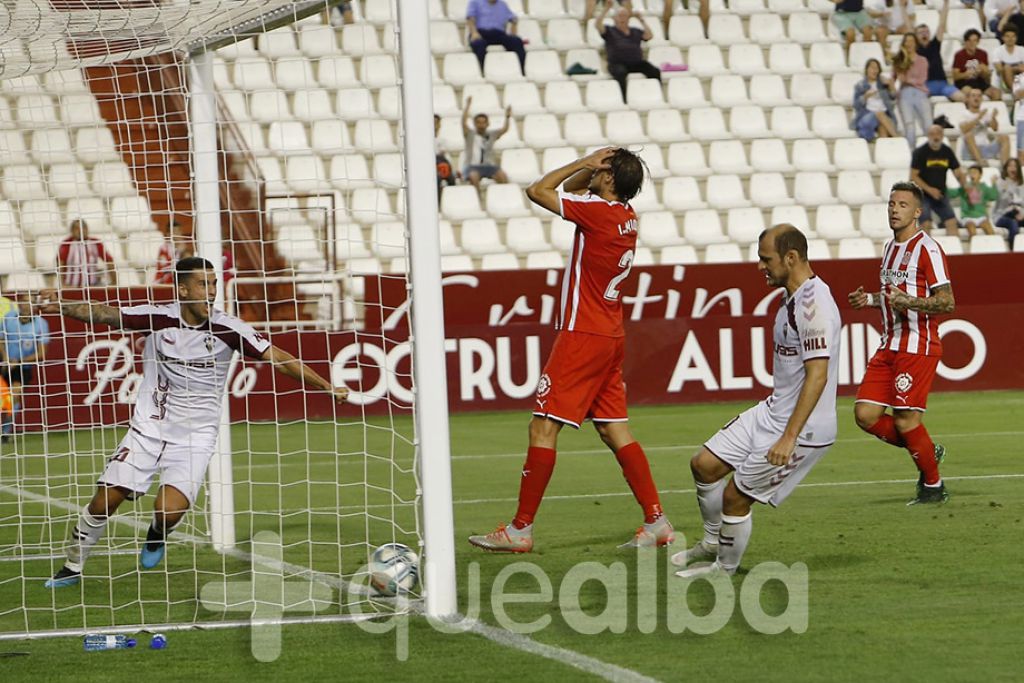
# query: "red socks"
637, 472
885, 429
922, 450
540, 463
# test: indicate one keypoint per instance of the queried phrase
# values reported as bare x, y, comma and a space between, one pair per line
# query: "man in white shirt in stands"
480, 161
1008, 58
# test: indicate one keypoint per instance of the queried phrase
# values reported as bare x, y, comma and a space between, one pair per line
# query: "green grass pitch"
895, 593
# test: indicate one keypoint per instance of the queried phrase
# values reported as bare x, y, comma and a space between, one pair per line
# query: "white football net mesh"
95, 127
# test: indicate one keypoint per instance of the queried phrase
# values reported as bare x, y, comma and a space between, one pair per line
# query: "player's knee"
734, 503
700, 470
906, 420
542, 430
864, 417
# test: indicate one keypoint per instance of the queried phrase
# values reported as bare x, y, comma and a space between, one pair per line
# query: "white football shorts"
743, 444
138, 459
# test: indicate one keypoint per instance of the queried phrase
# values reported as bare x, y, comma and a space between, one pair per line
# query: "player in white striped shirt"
175, 420
915, 287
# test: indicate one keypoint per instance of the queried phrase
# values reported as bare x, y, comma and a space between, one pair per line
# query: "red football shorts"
583, 379
899, 380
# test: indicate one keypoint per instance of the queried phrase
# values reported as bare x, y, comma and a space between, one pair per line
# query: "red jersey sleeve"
62, 253
101, 251
934, 264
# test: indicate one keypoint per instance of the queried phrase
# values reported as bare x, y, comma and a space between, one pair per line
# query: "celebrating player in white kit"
176, 417
771, 447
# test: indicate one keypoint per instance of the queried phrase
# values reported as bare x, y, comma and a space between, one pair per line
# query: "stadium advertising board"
694, 333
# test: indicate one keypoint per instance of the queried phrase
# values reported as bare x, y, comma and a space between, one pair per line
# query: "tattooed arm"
86, 311
941, 301
861, 299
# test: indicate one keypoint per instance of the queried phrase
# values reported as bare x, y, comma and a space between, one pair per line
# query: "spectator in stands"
928, 167
975, 197
851, 17
1009, 209
177, 246
491, 22
970, 67
1008, 59
588, 12
874, 114
931, 49
82, 261
1015, 18
480, 161
624, 47
703, 11
1018, 113
890, 16
25, 339
995, 13
911, 69
343, 12
445, 171
980, 137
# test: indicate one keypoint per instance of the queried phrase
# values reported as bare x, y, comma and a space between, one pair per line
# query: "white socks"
84, 536
709, 498
733, 540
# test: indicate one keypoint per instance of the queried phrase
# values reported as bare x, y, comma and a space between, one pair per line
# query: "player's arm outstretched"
290, 366
940, 301
544, 192
815, 379
86, 311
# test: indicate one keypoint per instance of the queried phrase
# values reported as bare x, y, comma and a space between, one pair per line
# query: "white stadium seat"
686, 92
748, 122
744, 225
812, 189
545, 259
768, 90
112, 179
294, 74
703, 227
834, 222
892, 153
623, 128
374, 137
502, 67
93, 145
706, 60
461, 202
337, 71
726, 29
563, 97
812, 155
666, 126
679, 254
312, 104
853, 154
789, 123
831, 121
12, 255
480, 236
544, 66
287, 137
767, 29
604, 96
808, 90
768, 190
827, 58
524, 98
645, 94
520, 165
268, 106
794, 215
12, 147
40, 217
354, 104
23, 182
786, 59
651, 155
526, 235
499, 262
317, 40
658, 229
682, 194
856, 247
686, 30
305, 173
706, 124
728, 252
279, 42
506, 201
369, 205
988, 244
66, 181
461, 68
950, 244
805, 28
747, 60
564, 34
769, 155
583, 129
874, 221
130, 214
687, 159
728, 90
856, 188
541, 131
359, 39
725, 192
729, 156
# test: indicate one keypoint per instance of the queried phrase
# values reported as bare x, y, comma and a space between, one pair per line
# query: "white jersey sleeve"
239, 335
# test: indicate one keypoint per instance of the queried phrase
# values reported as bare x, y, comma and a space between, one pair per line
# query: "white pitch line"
598, 451
499, 636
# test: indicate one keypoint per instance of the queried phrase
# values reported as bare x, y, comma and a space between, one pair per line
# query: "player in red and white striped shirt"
83, 261
915, 288
583, 376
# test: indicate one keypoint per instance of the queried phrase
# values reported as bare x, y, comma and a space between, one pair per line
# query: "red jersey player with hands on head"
583, 376
915, 288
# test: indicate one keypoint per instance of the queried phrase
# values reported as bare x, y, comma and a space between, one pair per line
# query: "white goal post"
310, 231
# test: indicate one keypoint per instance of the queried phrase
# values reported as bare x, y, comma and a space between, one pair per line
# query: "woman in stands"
1009, 210
873, 111
911, 69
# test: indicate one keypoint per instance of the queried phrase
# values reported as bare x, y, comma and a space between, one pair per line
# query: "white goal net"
109, 174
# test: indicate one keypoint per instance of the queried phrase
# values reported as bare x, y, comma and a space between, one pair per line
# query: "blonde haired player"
175, 421
771, 447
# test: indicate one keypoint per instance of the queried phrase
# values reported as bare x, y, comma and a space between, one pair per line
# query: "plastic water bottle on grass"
97, 643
